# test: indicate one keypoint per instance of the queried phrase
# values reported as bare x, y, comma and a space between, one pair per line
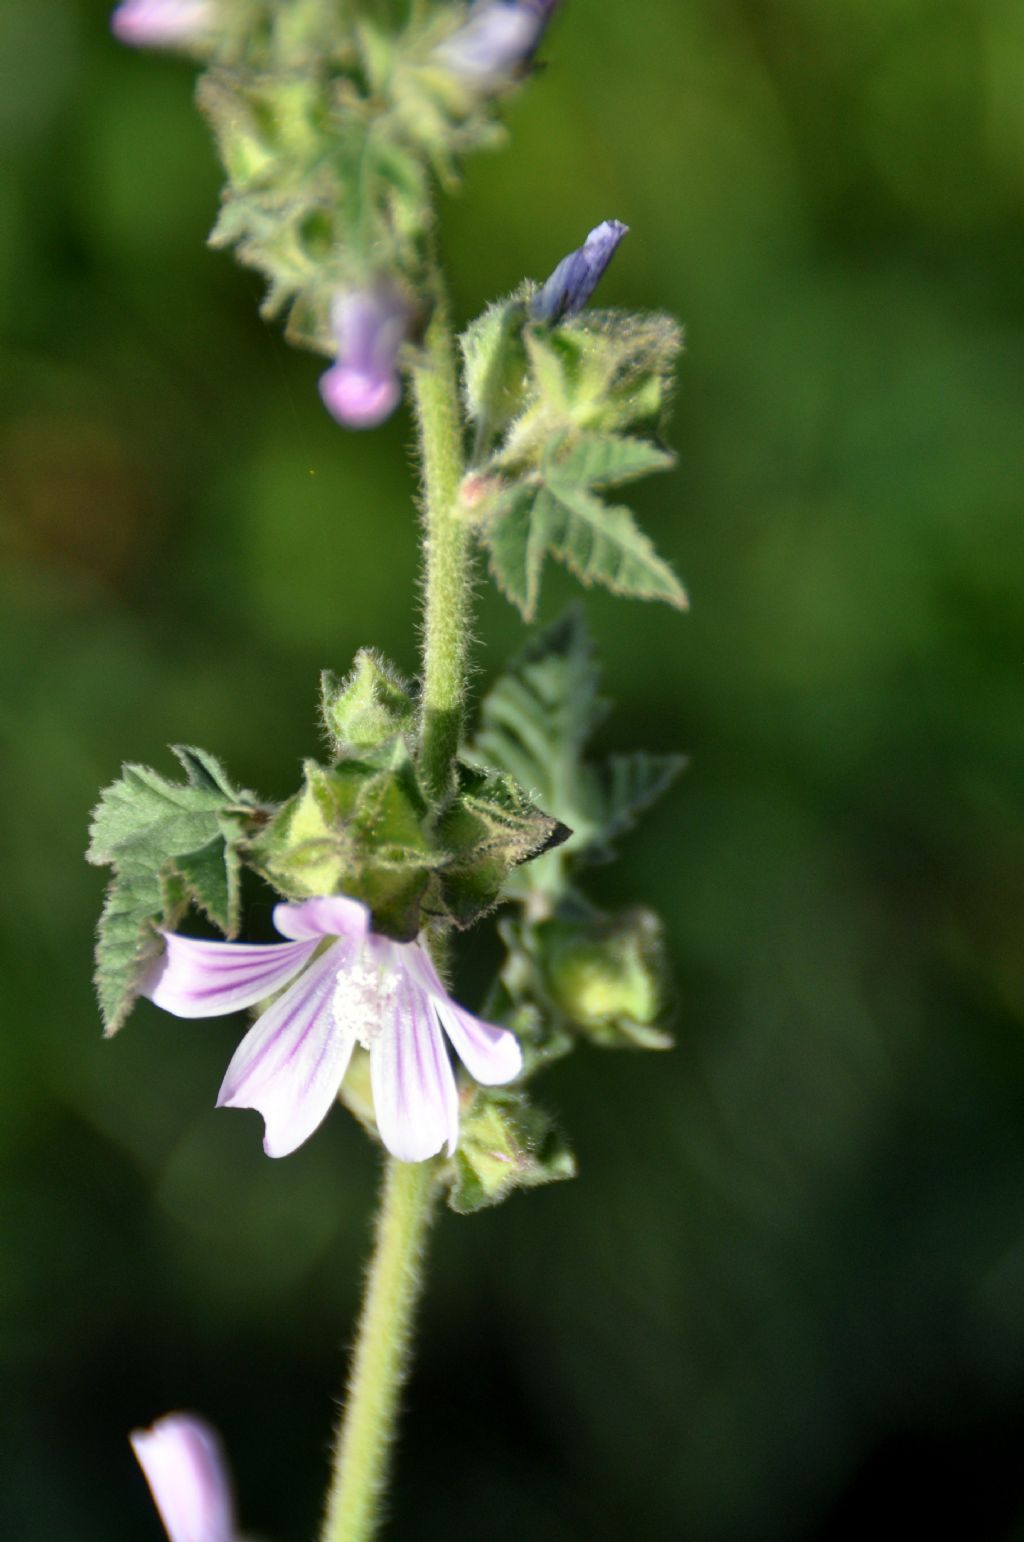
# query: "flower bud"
162, 23
498, 38
576, 277
370, 325
607, 975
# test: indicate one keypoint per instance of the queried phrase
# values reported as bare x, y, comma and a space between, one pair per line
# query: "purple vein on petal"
413, 1085
197, 978
290, 1064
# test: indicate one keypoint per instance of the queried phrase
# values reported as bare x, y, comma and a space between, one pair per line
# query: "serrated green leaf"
629, 785
602, 543
607, 460
170, 844
535, 722
210, 877
505, 1143
557, 510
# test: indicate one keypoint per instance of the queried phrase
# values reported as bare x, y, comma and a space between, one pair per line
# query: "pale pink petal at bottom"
414, 1098
290, 1064
184, 1466
196, 978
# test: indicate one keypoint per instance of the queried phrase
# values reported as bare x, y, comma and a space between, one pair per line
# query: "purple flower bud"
576, 277
496, 40
364, 386
162, 23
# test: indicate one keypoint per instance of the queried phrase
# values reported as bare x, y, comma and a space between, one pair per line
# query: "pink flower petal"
161, 23
491, 1055
290, 1064
196, 978
414, 1098
332, 916
356, 399
184, 1466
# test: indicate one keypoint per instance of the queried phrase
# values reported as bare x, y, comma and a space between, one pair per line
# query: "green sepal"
535, 723
170, 844
495, 370
490, 827
367, 710
505, 1143
364, 828
353, 829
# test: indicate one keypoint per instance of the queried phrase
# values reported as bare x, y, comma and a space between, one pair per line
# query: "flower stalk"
381, 1353
435, 394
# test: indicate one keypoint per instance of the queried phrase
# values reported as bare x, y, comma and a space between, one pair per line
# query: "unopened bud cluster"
331, 129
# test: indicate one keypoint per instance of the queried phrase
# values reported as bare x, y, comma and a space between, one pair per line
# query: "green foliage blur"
786, 1294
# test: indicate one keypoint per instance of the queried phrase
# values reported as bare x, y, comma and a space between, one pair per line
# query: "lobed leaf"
170, 844
535, 723
557, 510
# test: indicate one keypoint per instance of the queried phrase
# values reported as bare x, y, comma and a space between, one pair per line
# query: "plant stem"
379, 1361
392, 1289
446, 552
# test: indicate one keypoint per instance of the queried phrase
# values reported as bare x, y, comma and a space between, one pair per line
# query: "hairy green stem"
380, 1357
447, 555
381, 1350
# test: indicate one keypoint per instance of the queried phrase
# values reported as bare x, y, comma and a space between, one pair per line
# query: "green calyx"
365, 827
505, 1143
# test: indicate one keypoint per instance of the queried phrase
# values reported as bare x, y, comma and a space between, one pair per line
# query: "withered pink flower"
364, 386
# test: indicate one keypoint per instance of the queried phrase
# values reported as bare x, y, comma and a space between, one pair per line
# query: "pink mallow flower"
364, 386
184, 1466
362, 989
162, 23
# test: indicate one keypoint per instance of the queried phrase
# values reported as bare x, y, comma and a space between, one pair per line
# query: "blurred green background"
785, 1297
